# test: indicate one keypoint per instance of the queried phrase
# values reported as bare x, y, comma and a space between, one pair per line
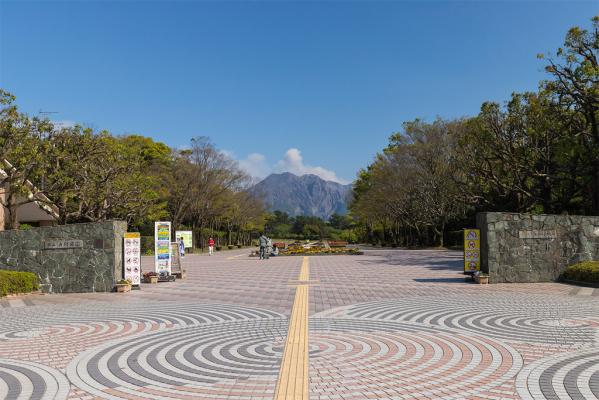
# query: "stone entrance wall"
535, 248
70, 258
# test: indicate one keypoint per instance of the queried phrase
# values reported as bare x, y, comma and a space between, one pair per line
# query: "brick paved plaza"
386, 324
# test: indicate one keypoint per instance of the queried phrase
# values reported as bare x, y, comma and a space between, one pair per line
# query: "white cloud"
294, 162
256, 165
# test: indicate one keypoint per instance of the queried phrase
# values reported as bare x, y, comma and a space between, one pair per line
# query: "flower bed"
319, 251
337, 243
150, 277
13, 282
586, 272
123, 286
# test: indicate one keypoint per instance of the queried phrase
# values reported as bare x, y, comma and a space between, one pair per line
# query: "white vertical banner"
162, 246
132, 258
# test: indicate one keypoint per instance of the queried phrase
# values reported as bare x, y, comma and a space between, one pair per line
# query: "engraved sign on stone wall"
538, 234
535, 248
56, 244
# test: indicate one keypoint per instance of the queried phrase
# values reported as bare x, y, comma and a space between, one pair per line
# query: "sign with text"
132, 258
56, 244
471, 250
162, 247
187, 238
538, 234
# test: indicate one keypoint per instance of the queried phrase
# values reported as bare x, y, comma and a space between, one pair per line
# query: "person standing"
181, 247
262, 241
210, 246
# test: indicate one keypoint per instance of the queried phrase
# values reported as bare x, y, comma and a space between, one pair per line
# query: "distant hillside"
303, 195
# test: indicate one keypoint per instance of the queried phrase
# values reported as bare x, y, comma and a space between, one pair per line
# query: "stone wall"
535, 248
70, 258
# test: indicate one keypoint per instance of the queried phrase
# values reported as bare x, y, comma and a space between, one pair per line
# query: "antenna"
41, 112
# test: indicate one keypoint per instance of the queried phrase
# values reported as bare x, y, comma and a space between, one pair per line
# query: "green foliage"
338, 221
537, 153
147, 245
586, 271
93, 176
14, 282
281, 225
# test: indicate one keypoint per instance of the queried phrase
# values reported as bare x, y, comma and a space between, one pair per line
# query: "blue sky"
298, 86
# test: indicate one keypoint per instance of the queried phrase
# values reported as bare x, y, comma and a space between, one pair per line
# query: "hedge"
17, 282
586, 271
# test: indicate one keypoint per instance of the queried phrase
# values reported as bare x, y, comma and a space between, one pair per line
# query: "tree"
339, 221
412, 184
575, 87
21, 157
92, 177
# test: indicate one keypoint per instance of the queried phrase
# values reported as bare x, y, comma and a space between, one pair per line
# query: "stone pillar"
535, 248
70, 258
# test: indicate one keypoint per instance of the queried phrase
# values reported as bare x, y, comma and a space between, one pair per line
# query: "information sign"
471, 250
187, 238
132, 258
162, 247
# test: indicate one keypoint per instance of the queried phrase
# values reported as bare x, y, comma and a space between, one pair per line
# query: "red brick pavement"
388, 324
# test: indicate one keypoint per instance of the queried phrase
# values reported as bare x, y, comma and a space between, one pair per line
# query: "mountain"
303, 195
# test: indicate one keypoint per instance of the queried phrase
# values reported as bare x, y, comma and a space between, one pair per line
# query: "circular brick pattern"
27, 380
511, 321
355, 358
223, 360
573, 375
214, 361
110, 321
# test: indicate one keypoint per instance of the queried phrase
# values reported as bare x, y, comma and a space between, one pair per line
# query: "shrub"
12, 282
586, 271
25, 227
147, 245
218, 248
231, 247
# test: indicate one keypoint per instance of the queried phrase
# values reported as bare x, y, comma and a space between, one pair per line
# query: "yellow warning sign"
471, 250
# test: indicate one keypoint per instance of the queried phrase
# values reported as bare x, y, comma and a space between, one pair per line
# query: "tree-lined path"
387, 324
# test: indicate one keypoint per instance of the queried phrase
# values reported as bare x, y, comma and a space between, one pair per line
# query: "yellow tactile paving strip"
293, 377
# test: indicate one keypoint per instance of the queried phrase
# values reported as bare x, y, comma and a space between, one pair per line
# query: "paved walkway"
388, 325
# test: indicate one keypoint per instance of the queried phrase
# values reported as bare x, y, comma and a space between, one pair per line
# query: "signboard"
56, 244
162, 247
471, 250
175, 258
132, 258
187, 238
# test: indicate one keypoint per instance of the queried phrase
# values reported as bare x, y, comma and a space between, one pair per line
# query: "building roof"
34, 194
